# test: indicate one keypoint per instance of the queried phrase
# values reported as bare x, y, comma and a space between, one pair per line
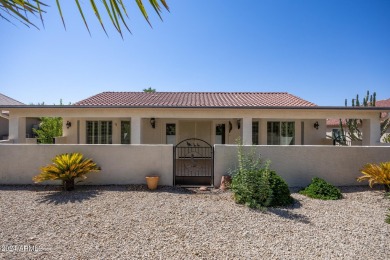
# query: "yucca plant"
67, 167
376, 174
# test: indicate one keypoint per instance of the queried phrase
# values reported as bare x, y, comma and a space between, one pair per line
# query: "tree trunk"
68, 185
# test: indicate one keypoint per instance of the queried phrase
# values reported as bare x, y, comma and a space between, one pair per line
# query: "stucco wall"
121, 164
299, 164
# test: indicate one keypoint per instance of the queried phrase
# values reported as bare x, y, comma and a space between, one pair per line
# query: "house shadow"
287, 213
80, 194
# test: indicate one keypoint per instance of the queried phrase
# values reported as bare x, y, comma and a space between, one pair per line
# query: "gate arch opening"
193, 163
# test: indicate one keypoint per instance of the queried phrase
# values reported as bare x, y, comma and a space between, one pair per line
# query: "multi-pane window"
125, 132
99, 132
170, 132
280, 133
255, 133
220, 134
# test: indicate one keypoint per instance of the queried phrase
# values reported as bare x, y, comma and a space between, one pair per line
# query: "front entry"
193, 163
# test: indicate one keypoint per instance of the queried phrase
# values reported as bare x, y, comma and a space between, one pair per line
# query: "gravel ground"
129, 222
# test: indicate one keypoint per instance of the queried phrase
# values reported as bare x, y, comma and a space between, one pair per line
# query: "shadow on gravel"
161, 189
64, 197
360, 188
288, 214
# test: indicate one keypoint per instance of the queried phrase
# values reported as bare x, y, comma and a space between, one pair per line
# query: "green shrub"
281, 195
255, 185
320, 189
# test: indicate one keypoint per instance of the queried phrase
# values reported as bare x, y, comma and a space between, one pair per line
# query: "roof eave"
197, 107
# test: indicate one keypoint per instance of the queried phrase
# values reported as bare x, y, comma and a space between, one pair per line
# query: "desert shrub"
376, 174
320, 189
255, 185
281, 195
67, 167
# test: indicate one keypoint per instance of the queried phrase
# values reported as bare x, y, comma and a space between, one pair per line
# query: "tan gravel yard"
129, 222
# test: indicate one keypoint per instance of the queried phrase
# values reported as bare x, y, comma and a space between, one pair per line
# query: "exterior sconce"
230, 126
238, 123
316, 125
153, 122
68, 124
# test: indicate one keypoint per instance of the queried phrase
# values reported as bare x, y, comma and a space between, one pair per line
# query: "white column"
17, 129
135, 130
247, 131
371, 131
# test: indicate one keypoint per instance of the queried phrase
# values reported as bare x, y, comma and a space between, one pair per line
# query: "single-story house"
188, 138
258, 118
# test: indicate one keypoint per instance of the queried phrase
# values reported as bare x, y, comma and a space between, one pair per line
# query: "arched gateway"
193, 163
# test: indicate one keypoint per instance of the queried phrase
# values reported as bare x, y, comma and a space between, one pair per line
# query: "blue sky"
323, 51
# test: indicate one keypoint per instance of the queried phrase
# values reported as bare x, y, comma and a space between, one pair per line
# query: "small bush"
320, 189
252, 188
67, 167
255, 185
281, 195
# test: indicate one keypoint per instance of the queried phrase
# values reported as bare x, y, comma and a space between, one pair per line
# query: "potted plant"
67, 167
152, 182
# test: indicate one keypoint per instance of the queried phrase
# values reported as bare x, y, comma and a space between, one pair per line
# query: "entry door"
195, 129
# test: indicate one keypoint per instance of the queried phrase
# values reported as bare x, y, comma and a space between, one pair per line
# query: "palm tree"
19, 10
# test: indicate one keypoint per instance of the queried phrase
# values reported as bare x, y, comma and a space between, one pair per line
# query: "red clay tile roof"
195, 99
380, 103
383, 103
335, 122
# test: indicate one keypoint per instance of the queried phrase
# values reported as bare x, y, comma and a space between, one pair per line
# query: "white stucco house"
188, 138
256, 118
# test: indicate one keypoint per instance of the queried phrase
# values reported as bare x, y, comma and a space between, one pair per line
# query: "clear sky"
323, 51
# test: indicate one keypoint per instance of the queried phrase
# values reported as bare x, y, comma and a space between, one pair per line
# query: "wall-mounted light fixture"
238, 123
153, 122
68, 124
230, 126
316, 125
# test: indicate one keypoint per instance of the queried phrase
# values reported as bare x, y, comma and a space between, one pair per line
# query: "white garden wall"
121, 164
129, 164
299, 164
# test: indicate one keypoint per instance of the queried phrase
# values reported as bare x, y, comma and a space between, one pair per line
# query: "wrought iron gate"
193, 163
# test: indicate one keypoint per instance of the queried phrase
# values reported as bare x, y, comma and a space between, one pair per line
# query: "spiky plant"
376, 174
67, 167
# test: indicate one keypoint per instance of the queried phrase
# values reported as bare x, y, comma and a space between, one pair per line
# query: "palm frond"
376, 174
20, 10
66, 167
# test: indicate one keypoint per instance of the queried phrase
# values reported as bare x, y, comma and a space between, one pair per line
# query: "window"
125, 132
170, 132
220, 134
255, 133
99, 132
280, 133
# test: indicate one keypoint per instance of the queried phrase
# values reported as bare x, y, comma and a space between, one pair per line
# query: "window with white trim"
280, 133
99, 132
